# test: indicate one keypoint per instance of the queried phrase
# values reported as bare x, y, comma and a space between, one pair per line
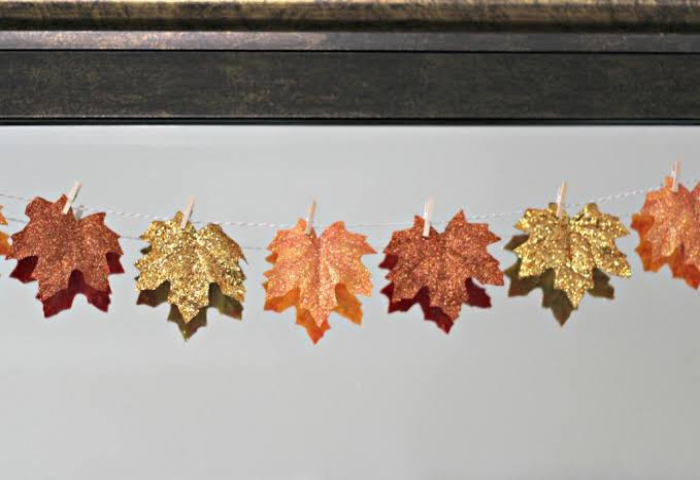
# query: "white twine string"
224, 223
125, 237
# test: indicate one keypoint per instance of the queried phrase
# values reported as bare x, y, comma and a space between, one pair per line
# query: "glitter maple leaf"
318, 275
438, 272
669, 231
4, 243
573, 247
553, 299
225, 305
184, 265
65, 255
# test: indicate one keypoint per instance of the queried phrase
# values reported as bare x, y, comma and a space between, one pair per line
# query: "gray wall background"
508, 394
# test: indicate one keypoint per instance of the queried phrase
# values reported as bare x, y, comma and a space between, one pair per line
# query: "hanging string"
487, 216
125, 237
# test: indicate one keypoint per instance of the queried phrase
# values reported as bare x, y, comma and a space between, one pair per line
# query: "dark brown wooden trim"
382, 15
390, 61
396, 87
350, 41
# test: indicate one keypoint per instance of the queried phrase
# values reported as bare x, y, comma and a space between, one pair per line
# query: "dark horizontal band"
348, 41
165, 86
318, 15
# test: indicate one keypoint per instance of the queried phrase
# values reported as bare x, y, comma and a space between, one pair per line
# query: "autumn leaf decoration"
669, 231
571, 255
553, 299
192, 270
4, 243
66, 256
440, 272
317, 275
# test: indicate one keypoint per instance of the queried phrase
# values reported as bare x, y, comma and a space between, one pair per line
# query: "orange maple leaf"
4, 244
65, 255
318, 275
437, 272
669, 231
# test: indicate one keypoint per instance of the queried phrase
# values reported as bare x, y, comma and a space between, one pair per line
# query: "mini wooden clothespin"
676, 176
428, 216
561, 199
71, 197
187, 213
78, 211
310, 218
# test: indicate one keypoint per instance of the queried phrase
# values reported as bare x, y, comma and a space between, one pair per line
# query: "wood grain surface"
395, 87
304, 15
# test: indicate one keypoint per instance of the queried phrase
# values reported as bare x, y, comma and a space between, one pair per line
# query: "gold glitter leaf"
573, 247
669, 231
190, 261
438, 272
553, 299
318, 275
225, 305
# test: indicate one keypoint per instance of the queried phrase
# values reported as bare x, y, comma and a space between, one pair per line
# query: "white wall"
508, 394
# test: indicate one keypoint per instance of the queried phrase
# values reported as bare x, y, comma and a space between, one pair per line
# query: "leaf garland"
318, 275
439, 272
573, 247
193, 270
553, 299
66, 256
669, 231
4, 238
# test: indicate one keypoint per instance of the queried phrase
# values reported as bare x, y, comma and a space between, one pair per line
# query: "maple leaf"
477, 298
318, 275
438, 272
65, 255
553, 299
571, 246
348, 306
225, 305
4, 244
189, 267
669, 231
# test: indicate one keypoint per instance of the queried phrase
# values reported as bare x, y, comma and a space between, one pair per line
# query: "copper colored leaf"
65, 255
476, 297
573, 247
318, 275
439, 272
191, 261
669, 231
555, 300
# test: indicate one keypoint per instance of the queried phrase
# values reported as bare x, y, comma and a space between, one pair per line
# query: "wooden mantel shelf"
314, 15
360, 61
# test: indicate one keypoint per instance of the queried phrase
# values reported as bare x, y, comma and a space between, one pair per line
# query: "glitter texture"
438, 272
571, 246
318, 275
4, 244
225, 305
65, 255
190, 261
669, 231
552, 299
